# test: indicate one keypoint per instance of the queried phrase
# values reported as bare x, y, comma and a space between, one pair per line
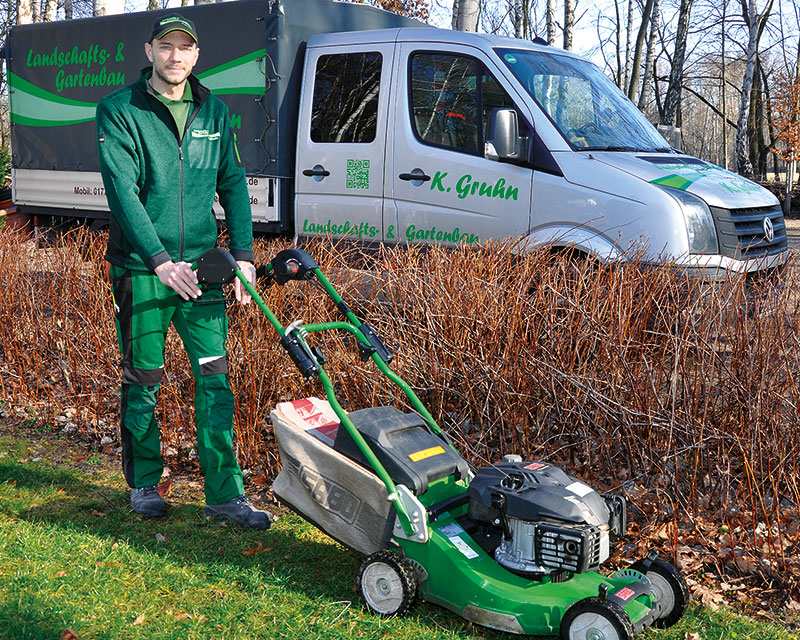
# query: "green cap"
167, 24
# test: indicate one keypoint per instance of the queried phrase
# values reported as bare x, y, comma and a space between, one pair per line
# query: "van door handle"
416, 174
318, 170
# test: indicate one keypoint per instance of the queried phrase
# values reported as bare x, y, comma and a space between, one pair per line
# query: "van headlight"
699, 221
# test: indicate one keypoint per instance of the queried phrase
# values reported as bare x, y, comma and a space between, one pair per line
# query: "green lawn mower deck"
514, 546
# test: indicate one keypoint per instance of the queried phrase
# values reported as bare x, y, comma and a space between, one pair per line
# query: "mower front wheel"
387, 584
596, 619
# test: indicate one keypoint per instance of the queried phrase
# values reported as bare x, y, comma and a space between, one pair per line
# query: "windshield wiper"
610, 148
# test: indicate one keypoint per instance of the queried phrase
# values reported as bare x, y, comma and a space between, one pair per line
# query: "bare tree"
24, 11
108, 7
50, 7
650, 56
755, 23
637, 53
465, 15
673, 97
569, 23
550, 21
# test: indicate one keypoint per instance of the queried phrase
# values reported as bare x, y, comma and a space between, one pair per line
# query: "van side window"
451, 99
345, 105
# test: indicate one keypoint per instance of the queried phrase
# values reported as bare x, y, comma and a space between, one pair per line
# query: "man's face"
173, 57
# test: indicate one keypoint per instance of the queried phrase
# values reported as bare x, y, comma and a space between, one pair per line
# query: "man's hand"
180, 277
249, 271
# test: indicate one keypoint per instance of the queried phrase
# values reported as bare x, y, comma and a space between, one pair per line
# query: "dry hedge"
633, 378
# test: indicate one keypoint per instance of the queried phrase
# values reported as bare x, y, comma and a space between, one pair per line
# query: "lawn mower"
514, 546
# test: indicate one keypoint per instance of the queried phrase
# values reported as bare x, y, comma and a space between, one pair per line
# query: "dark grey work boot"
239, 511
147, 502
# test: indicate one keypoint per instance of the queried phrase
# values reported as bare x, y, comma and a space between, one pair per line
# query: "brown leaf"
259, 548
59, 574
68, 634
164, 488
183, 616
99, 513
261, 479
139, 620
691, 635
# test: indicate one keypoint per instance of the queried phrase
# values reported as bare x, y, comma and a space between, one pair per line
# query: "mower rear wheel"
669, 590
387, 584
596, 619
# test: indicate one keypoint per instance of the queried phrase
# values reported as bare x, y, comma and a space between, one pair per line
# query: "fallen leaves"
68, 634
164, 488
259, 548
139, 619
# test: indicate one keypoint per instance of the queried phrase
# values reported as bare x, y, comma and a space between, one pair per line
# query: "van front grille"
742, 233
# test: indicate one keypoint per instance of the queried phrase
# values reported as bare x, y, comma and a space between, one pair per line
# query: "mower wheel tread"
664, 574
386, 582
613, 616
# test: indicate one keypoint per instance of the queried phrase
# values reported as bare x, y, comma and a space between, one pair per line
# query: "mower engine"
549, 523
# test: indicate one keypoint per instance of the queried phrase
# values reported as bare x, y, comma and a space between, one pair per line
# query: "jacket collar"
199, 92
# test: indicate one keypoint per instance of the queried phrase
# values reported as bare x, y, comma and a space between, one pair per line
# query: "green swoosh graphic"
243, 75
33, 106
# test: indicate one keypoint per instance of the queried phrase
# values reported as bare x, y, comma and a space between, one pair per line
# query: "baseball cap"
175, 22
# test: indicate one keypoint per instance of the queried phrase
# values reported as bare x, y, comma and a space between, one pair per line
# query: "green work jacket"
160, 183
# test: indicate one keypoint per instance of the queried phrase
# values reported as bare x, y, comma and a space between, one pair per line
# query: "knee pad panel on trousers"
141, 377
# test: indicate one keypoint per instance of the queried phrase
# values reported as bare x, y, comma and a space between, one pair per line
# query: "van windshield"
588, 109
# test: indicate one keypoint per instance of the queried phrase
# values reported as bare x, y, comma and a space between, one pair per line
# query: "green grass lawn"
73, 556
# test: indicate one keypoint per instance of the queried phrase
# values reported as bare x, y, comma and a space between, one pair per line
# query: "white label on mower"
580, 489
451, 530
463, 547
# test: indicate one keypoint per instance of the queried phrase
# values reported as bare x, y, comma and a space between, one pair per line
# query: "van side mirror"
502, 136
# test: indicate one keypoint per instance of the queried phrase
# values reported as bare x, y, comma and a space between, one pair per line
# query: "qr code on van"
357, 176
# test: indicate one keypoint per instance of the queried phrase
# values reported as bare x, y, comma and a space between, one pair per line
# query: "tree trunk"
519, 27
24, 11
756, 148
550, 20
724, 91
628, 32
67, 9
50, 8
673, 97
755, 23
569, 23
636, 62
618, 80
787, 201
466, 15
108, 7
152, 5
644, 94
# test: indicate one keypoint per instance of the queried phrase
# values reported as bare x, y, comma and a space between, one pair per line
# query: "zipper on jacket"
180, 197
189, 121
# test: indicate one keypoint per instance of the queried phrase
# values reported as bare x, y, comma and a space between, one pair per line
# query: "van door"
444, 189
341, 141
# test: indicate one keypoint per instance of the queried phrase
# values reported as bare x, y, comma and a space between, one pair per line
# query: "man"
166, 146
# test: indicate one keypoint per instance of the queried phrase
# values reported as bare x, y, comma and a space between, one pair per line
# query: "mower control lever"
303, 357
375, 345
499, 503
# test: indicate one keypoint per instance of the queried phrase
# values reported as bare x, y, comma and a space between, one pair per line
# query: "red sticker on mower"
533, 466
316, 420
625, 594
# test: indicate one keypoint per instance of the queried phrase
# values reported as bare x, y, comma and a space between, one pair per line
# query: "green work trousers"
144, 309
